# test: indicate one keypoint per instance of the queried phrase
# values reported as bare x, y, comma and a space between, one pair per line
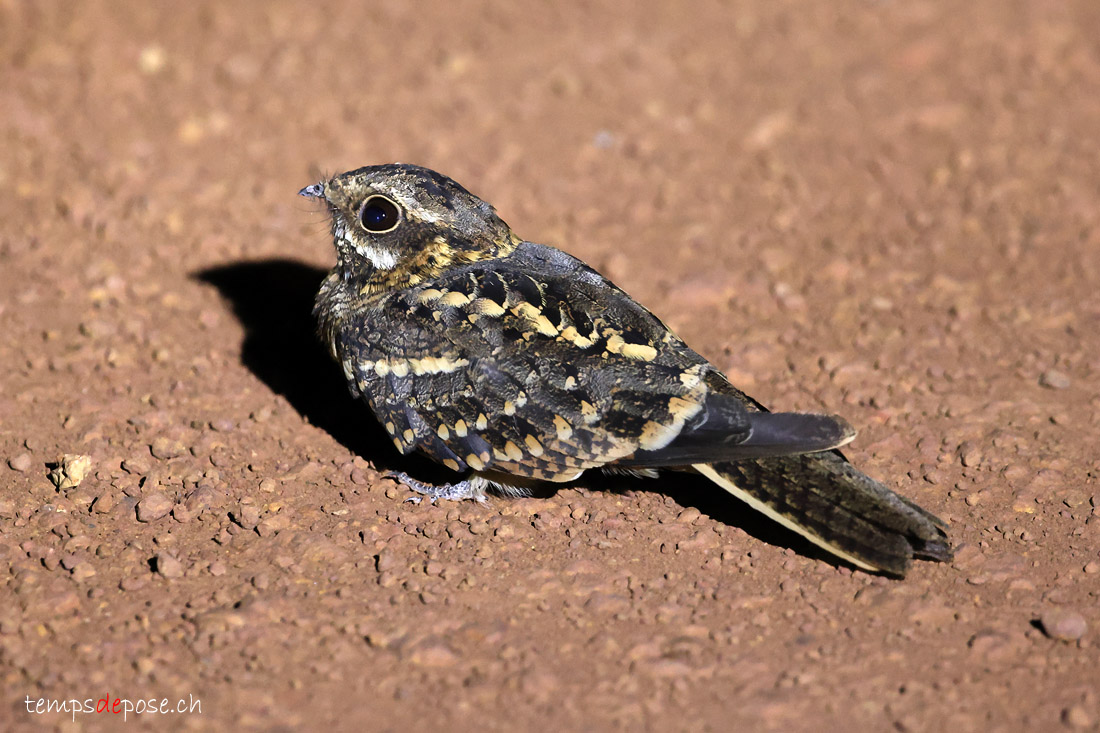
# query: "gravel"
1063, 624
883, 210
153, 507
21, 463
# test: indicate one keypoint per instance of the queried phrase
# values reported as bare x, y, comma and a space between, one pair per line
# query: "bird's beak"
317, 190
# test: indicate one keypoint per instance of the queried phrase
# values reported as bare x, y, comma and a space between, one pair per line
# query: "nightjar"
509, 362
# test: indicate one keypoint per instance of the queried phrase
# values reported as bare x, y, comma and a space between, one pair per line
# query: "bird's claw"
454, 492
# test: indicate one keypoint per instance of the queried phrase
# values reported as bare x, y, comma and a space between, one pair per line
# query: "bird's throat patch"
379, 257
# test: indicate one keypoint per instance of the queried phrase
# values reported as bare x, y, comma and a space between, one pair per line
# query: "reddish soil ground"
884, 209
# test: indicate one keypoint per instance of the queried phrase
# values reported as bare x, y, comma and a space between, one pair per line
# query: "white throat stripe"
382, 259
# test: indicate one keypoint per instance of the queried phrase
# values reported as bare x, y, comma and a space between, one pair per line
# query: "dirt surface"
884, 209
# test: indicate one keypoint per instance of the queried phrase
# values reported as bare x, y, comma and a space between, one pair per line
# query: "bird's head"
404, 224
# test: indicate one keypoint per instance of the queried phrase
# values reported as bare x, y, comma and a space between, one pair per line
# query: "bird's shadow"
273, 300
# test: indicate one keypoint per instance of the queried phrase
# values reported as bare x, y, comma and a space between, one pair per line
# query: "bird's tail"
826, 500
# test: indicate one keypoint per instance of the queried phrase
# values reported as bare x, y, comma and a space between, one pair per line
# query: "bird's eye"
379, 214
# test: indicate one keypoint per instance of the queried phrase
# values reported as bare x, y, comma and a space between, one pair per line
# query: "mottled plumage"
508, 361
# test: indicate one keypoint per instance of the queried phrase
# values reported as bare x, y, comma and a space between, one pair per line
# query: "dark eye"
379, 214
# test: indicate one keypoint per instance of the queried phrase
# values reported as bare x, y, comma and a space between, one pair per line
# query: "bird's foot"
471, 488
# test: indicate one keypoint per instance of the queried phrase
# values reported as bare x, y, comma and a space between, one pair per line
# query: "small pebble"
20, 463
203, 499
83, 571
182, 514
105, 502
131, 582
272, 525
689, 515
1054, 379
433, 655
153, 507
70, 471
136, 465
246, 515
152, 60
168, 566
167, 448
1077, 717
387, 560
603, 140
1063, 624
969, 454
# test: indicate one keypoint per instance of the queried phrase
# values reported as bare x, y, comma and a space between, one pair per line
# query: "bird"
513, 363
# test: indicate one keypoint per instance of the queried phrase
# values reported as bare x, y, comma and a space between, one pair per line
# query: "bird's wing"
535, 368
706, 436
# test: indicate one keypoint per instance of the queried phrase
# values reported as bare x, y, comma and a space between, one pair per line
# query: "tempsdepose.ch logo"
113, 706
